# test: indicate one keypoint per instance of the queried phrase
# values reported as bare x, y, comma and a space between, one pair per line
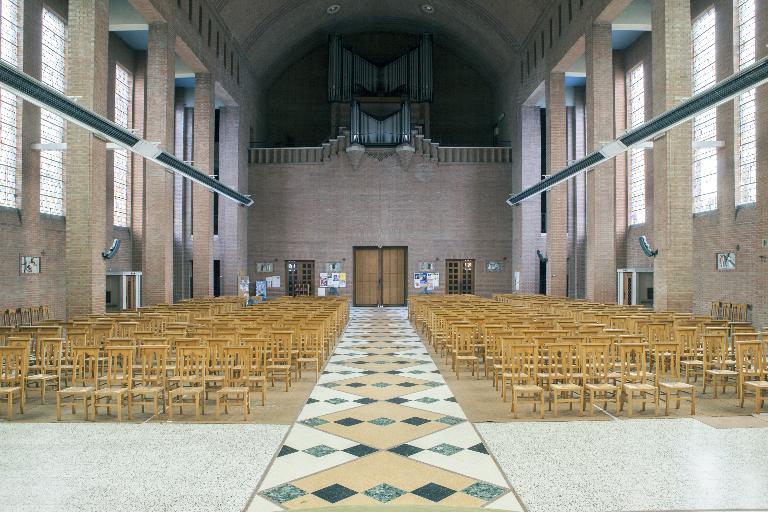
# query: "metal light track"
749, 78
36, 92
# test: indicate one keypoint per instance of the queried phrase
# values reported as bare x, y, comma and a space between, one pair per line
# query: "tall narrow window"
636, 114
10, 34
122, 158
52, 127
746, 130
704, 125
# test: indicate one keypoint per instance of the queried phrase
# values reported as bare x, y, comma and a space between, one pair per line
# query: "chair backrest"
750, 359
524, 362
464, 338
237, 364
596, 361
715, 350
192, 363
119, 366
85, 366
216, 348
667, 359
13, 366
562, 361
687, 339
259, 352
153, 360
49, 352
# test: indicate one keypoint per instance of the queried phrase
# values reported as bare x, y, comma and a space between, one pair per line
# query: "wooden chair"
216, 373
563, 375
668, 379
150, 386
523, 366
237, 361
49, 357
464, 349
596, 365
256, 377
13, 371
633, 358
502, 372
189, 379
750, 363
280, 356
85, 368
310, 349
716, 363
113, 387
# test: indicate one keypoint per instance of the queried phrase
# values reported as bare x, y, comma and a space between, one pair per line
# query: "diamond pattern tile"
382, 427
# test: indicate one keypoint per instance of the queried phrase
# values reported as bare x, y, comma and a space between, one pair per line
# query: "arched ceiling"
273, 33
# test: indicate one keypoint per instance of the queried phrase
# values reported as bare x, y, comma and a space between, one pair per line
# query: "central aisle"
381, 427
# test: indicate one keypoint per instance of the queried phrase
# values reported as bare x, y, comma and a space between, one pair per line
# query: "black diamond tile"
312, 401
348, 422
398, 400
365, 401
479, 448
450, 399
406, 450
286, 450
407, 384
356, 385
360, 450
414, 420
393, 372
369, 372
433, 492
335, 493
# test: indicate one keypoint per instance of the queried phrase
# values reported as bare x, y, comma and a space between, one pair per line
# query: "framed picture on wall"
426, 266
494, 266
29, 264
265, 266
726, 261
333, 266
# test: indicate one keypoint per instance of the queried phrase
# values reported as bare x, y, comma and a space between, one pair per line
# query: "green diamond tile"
284, 493
381, 384
445, 449
382, 422
450, 420
320, 450
484, 491
384, 493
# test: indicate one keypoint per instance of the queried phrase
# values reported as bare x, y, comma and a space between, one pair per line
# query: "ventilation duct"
748, 78
45, 97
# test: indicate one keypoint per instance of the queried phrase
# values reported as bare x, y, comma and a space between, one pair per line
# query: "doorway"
380, 276
461, 276
301, 277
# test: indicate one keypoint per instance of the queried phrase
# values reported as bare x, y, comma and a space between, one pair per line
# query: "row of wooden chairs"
24, 316
469, 330
730, 311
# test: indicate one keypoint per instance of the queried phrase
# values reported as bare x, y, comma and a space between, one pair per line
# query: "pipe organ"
379, 98
351, 75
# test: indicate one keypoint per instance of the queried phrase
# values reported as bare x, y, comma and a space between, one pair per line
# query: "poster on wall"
726, 261
261, 289
428, 280
265, 267
273, 282
335, 280
243, 285
323, 280
30, 264
333, 266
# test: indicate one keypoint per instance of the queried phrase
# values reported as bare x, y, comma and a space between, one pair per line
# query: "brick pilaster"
760, 305
601, 181
202, 245
158, 223
672, 158
85, 174
557, 200
138, 164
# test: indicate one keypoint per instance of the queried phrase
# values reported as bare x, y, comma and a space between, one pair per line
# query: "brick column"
202, 245
760, 305
601, 181
233, 172
557, 200
158, 219
85, 193
138, 164
672, 159
578, 200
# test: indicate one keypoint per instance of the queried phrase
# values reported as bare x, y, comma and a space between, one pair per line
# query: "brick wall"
320, 212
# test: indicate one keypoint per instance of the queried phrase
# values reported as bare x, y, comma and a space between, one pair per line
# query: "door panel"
393, 276
461, 276
366, 277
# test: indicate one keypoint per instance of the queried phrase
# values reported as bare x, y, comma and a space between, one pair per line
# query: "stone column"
557, 200
233, 172
601, 181
85, 182
202, 245
672, 159
158, 219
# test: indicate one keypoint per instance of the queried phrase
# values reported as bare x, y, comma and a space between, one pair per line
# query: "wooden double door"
380, 276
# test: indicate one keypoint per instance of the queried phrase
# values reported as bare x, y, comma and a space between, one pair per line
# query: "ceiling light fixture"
333, 9
428, 8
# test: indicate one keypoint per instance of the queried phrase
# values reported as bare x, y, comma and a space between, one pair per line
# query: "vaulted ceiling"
275, 32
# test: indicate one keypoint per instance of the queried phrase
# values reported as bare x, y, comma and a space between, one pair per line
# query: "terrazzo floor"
382, 427
63, 467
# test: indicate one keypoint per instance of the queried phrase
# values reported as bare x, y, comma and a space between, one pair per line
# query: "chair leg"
58, 406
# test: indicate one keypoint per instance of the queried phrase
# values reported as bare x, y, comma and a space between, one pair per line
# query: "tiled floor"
382, 427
